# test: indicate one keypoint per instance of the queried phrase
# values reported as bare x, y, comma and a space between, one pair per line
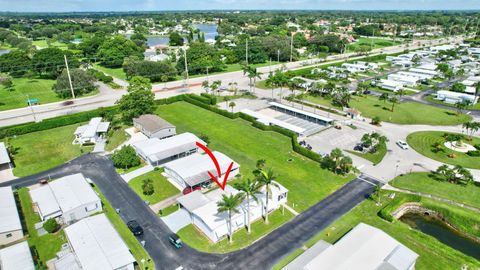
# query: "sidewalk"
129, 176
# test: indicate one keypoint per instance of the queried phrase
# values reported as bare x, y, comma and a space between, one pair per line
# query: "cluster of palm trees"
393, 99
252, 74
471, 128
249, 190
213, 87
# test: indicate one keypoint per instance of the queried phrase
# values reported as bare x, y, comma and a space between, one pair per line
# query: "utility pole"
291, 48
278, 55
31, 108
186, 66
246, 51
208, 79
69, 78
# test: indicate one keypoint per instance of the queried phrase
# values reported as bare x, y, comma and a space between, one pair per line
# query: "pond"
4, 51
210, 31
444, 234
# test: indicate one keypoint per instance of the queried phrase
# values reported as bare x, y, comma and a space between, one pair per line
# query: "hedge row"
55, 122
212, 98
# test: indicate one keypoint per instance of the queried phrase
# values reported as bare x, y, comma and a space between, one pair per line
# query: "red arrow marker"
217, 166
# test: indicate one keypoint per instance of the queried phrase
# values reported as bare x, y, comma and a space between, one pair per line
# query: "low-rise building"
69, 199
429, 72
359, 66
16, 257
390, 85
405, 80
91, 132
157, 152
95, 244
451, 97
363, 248
204, 214
5, 162
193, 170
10, 225
154, 127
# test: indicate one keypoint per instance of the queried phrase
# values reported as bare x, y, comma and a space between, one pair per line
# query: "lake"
210, 31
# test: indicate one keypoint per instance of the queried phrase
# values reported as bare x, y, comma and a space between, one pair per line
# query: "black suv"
135, 228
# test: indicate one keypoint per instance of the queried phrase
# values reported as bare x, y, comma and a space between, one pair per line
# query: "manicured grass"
133, 244
432, 99
163, 188
423, 141
35, 89
306, 181
195, 239
131, 169
262, 85
115, 72
433, 254
426, 183
376, 157
168, 210
407, 113
42, 150
42, 44
116, 138
46, 245
376, 42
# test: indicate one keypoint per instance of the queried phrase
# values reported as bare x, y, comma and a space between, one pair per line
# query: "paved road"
263, 254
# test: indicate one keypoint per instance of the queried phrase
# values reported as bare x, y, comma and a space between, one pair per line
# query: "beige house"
154, 127
10, 225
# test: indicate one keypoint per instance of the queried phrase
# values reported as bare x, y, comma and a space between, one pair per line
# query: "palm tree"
383, 97
267, 179
230, 205
270, 82
232, 105
393, 100
253, 74
205, 86
250, 189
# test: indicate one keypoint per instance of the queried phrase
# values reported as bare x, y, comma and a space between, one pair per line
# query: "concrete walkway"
167, 202
129, 176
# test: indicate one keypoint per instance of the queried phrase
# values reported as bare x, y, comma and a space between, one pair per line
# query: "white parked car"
402, 144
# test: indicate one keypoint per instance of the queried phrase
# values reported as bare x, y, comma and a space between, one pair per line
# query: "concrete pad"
177, 220
6, 173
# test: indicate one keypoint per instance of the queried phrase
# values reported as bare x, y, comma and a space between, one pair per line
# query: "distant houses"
68, 199
10, 225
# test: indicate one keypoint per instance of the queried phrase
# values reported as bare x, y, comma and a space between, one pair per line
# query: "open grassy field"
426, 183
306, 181
423, 141
35, 89
42, 150
46, 245
194, 238
42, 44
433, 254
376, 157
163, 188
406, 113
114, 72
375, 42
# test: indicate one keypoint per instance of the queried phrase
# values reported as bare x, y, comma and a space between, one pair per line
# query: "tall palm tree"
250, 189
230, 205
253, 74
267, 179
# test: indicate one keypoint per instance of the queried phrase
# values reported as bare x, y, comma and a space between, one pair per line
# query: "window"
8, 235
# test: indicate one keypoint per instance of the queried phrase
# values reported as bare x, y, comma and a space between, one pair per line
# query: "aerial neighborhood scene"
210, 134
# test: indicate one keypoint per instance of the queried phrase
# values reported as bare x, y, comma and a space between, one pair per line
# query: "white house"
16, 257
5, 162
363, 248
455, 97
154, 127
439, 48
390, 85
474, 51
429, 72
69, 198
91, 132
204, 215
96, 244
156, 151
10, 225
414, 75
193, 170
359, 66
405, 80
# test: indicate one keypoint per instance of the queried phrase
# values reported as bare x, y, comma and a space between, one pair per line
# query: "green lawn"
422, 143
195, 239
376, 157
306, 181
116, 137
35, 89
433, 254
432, 99
42, 150
133, 244
42, 44
376, 42
407, 113
426, 183
163, 188
115, 72
46, 245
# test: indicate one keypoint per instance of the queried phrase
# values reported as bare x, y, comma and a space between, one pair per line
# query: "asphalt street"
263, 254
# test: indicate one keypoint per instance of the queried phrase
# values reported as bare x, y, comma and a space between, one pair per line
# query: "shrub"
125, 158
50, 225
147, 187
474, 153
376, 121
477, 146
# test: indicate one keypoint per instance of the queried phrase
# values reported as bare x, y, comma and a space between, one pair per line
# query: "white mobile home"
5, 162
156, 151
405, 80
91, 132
432, 73
16, 257
97, 245
391, 85
359, 67
455, 97
69, 198
154, 127
193, 170
10, 225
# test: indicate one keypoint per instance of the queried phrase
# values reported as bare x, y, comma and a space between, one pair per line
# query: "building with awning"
91, 132
10, 225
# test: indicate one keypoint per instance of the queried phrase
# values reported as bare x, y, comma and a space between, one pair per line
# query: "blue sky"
151, 5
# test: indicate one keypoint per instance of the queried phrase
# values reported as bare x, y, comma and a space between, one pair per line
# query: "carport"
177, 220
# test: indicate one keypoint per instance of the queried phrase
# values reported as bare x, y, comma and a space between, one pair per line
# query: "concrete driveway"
177, 220
6, 173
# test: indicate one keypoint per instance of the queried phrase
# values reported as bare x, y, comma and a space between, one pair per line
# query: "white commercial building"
455, 97
391, 85
69, 198
16, 257
91, 132
154, 127
10, 225
405, 80
97, 245
204, 214
363, 248
156, 151
4, 157
193, 170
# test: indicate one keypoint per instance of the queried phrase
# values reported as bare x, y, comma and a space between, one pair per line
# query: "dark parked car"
189, 189
358, 147
43, 182
135, 228
175, 241
367, 92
